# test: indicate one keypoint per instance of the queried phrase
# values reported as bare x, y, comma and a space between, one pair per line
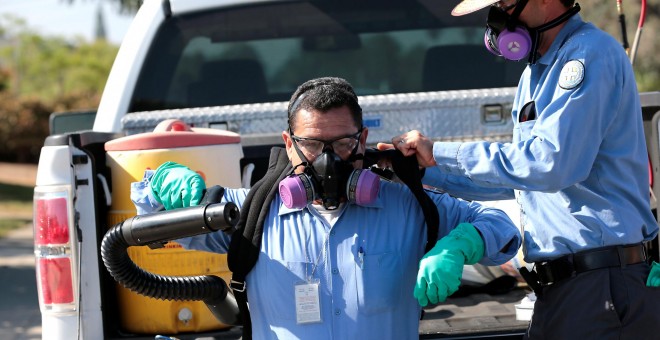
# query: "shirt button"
335, 271
337, 312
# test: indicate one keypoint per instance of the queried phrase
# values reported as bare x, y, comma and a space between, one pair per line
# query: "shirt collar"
571, 25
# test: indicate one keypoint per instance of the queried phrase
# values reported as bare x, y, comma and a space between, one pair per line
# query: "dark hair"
323, 94
568, 3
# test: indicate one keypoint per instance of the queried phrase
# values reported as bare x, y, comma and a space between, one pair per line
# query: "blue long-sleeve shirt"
368, 295
579, 168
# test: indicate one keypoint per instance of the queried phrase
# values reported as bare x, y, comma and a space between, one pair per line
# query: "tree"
40, 75
51, 67
125, 6
99, 32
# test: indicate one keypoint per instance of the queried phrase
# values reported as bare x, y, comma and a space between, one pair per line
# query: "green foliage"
52, 67
23, 127
7, 225
40, 75
129, 6
13, 196
24, 122
16, 205
125, 6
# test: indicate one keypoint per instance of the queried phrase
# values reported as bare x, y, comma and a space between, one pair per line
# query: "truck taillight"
55, 280
54, 252
51, 221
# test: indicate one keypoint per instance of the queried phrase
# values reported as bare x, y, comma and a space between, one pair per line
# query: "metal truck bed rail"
461, 115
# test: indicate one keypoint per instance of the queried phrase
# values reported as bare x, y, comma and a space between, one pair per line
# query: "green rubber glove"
654, 275
176, 186
441, 269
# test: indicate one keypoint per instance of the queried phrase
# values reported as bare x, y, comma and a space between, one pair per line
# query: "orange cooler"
215, 154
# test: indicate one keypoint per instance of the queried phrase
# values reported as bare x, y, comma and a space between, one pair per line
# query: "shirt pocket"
378, 281
282, 278
523, 131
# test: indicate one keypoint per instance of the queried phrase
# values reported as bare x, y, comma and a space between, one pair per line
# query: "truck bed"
476, 315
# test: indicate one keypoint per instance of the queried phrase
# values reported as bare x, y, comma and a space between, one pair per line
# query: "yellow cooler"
215, 155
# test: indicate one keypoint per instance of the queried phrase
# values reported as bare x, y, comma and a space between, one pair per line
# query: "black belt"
549, 272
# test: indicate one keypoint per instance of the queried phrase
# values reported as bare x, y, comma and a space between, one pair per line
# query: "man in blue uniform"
577, 166
344, 266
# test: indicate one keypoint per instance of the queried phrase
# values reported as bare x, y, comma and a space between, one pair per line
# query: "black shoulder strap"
407, 169
246, 241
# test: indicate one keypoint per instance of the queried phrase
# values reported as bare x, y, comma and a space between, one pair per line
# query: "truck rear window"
261, 52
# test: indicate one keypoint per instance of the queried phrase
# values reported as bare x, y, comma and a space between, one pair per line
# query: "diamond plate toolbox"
464, 115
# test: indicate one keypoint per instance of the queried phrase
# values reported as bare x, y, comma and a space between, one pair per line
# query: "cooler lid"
173, 133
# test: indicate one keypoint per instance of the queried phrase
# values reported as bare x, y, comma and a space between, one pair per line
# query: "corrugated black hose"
164, 226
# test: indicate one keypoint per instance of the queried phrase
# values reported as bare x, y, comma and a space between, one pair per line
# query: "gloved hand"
440, 270
654, 276
176, 186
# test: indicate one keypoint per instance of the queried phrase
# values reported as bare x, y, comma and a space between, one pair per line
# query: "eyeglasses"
501, 5
312, 147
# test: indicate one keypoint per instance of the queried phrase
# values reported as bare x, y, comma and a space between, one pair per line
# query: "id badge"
308, 304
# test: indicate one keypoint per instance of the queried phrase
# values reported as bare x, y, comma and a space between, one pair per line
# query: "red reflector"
55, 277
52, 221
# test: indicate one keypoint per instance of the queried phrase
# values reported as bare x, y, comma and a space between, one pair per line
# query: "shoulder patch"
571, 75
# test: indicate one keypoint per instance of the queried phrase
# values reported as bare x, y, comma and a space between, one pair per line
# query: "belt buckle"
553, 271
632, 254
544, 272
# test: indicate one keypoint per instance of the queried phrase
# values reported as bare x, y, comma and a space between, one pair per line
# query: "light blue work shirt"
580, 169
370, 298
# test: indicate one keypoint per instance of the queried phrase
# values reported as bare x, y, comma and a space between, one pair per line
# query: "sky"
59, 18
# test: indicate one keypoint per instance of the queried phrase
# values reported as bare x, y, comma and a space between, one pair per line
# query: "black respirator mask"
507, 37
330, 179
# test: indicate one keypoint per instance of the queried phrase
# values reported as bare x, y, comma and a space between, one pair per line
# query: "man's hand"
440, 270
411, 143
176, 186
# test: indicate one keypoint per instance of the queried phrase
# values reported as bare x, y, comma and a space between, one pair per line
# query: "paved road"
20, 318
19, 306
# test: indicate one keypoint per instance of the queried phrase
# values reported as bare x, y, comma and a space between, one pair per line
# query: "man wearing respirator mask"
577, 166
342, 253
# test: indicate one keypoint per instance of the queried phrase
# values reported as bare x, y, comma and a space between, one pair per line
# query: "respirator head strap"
513, 21
301, 155
536, 31
560, 19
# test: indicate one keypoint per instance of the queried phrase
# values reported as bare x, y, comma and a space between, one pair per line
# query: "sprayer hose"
128, 274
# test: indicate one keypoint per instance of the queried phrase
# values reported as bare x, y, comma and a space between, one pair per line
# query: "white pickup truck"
226, 68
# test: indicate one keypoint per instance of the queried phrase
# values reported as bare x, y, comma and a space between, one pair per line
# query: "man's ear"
286, 138
363, 136
288, 143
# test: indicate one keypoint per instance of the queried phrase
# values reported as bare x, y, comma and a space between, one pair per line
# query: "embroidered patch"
571, 75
